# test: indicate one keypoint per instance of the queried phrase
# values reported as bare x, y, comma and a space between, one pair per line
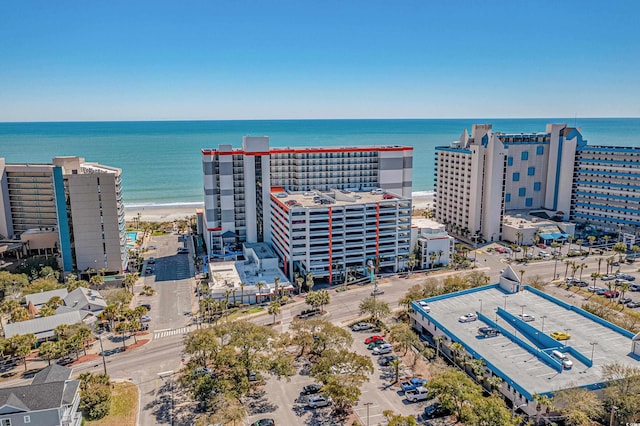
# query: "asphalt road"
150, 367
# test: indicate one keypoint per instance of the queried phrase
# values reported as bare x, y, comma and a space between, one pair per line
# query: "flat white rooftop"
309, 199
520, 353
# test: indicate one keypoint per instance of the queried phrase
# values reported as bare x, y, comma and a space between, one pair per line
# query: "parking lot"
285, 403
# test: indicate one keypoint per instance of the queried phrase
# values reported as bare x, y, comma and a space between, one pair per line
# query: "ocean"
161, 160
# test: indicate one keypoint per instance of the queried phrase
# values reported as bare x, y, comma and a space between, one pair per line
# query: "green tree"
394, 419
453, 389
95, 398
342, 373
20, 314
49, 350
310, 282
376, 308
395, 367
20, 346
414, 293
96, 281
541, 402
591, 239
40, 285
579, 406
477, 279
404, 338
274, 309
621, 249
623, 388
490, 411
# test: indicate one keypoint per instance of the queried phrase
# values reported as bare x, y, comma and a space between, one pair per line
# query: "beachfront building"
483, 175
433, 245
606, 190
338, 235
239, 183
68, 208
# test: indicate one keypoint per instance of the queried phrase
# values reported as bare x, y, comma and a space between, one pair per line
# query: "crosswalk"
159, 334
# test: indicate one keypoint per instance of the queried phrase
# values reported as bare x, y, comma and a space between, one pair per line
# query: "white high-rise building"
481, 176
70, 207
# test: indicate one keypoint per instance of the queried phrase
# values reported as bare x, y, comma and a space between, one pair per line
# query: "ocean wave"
176, 205
423, 194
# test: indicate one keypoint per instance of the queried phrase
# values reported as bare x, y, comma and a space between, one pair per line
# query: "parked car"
609, 294
625, 300
148, 270
145, 318
560, 335
634, 287
311, 389
417, 394
202, 370
633, 304
625, 276
361, 326
383, 349
608, 277
316, 401
146, 306
309, 313
566, 362
435, 410
376, 344
387, 359
413, 383
151, 260
372, 339
424, 305
527, 317
264, 422
377, 292
601, 292
488, 331
470, 317
594, 289
183, 250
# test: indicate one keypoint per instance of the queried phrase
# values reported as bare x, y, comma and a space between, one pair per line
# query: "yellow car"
560, 335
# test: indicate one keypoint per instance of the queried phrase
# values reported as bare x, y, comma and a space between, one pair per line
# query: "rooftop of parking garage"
334, 198
520, 353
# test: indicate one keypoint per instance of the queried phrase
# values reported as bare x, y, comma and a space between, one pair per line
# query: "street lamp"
523, 306
514, 408
480, 300
543, 317
505, 302
162, 375
368, 404
593, 346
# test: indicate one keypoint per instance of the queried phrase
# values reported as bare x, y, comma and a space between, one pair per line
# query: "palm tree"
522, 271
582, 266
541, 401
274, 309
624, 287
310, 282
621, 249
440, 253
432, 258
276, 283
260, 285
591, 239
599, 263
568, 263
242, 284
606, 239
570, 240
395, 366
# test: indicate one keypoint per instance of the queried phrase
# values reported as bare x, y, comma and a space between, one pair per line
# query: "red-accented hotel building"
323, 209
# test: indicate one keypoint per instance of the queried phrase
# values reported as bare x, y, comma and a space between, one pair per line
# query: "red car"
372, 339
612, 293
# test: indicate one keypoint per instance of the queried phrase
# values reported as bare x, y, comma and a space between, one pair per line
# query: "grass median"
124, 406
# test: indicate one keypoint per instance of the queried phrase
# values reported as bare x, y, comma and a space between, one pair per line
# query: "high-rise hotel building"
482, 176
70, 208
246, 191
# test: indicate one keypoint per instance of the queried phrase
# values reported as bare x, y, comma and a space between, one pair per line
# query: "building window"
509, 161
6, 422
522, 192
516, 176
537, 186
507, 197
524, 156
531, 171
528, 202
540, 150
27, 419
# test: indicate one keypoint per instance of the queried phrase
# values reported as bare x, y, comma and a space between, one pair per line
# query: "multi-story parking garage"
336, 233
521, 353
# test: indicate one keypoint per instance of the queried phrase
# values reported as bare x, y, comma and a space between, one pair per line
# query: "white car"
417, 394
470, 317
145, 318
527, 317
316, 401
383, 349
362, 326
424, 305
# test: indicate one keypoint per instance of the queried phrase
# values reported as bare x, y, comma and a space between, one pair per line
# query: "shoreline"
177, 211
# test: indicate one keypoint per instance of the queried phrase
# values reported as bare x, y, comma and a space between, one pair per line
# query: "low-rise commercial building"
433, 245
520, 354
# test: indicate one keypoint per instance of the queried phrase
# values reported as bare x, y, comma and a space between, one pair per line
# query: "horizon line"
313, 119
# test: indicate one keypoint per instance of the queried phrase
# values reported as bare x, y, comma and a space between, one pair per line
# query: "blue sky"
237, 59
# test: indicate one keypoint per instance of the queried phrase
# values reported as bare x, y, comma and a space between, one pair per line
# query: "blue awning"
553, 235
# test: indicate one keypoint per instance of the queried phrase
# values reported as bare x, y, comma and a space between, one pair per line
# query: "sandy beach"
169, 214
